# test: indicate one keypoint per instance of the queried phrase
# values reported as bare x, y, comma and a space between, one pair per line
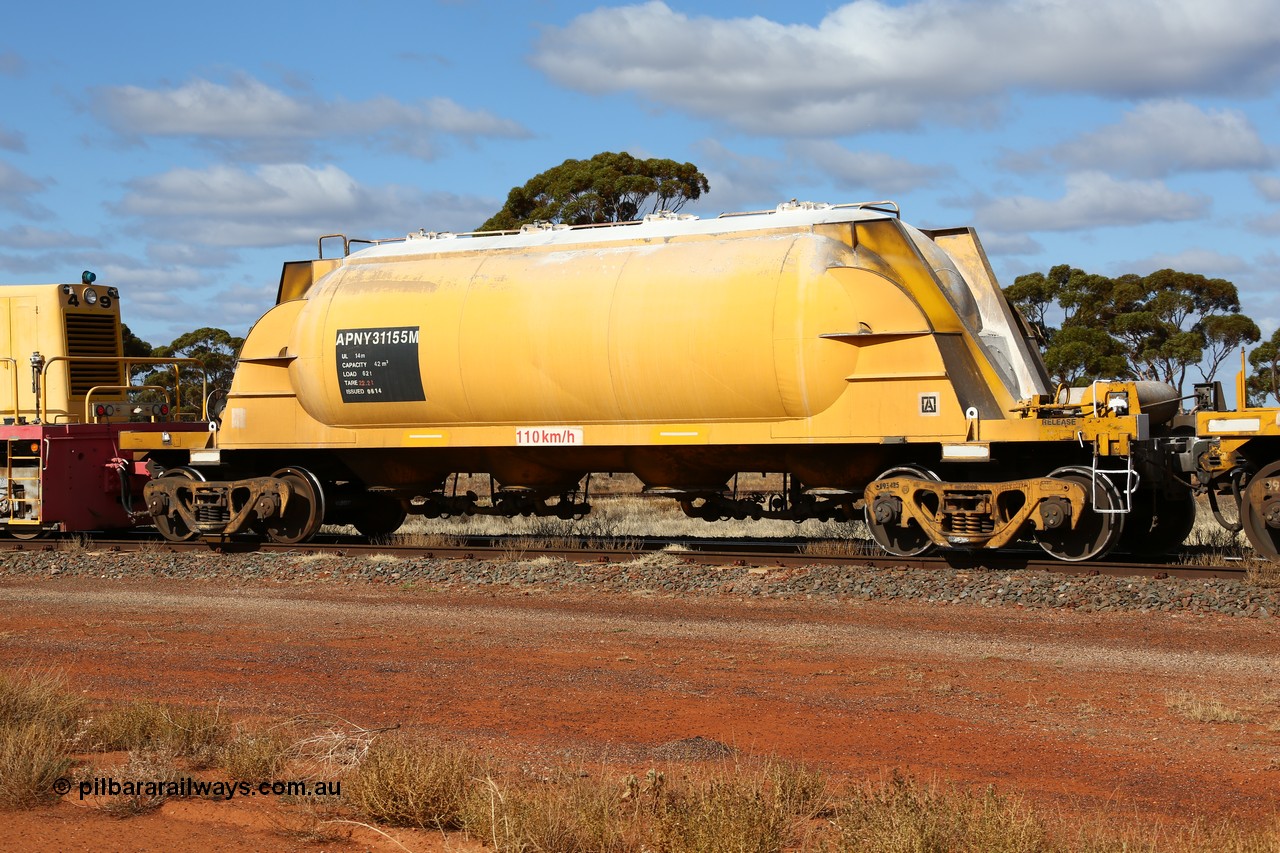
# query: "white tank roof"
655, 227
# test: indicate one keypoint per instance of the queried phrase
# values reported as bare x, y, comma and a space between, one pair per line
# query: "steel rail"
733, 553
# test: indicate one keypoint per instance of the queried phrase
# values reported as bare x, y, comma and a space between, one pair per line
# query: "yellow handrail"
128, 365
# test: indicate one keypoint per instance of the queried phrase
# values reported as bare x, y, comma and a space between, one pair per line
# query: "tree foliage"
1142, 327
1224, 334
1264, 382
135, 347
216, 349
610, 187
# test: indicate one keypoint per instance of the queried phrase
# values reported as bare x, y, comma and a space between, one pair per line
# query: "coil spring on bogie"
969, 523
212, 513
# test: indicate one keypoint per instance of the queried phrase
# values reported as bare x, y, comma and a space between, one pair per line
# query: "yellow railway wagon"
876, 365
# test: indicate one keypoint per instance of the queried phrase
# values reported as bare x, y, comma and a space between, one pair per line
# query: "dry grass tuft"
77, 543
427, 540
149, 778
728, 807
1106, 831
905, 815
1202, 710
415, 782
853, 547
38, 718
331, 745
193, 733
256, 756
755, 810
570, 816
1262, 572
305, 746
32, 756
38, 696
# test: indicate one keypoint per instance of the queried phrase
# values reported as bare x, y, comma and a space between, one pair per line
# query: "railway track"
765, 554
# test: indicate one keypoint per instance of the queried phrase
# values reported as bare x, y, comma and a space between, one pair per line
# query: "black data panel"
379, 365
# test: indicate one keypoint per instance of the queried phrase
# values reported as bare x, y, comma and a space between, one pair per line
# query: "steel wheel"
1097, 532
1158, 524
909, 541
172, 527
25, 534
378, 515
303, 511
1258, 505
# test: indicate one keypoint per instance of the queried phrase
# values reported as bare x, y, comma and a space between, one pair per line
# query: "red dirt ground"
1070, 709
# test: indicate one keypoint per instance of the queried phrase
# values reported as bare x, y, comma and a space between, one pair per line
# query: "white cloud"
1206, 262
12, 140
738, 182
176, 297
873, 65
996, 243
16, 188
29, 238
1269, 224
59, 263
159, 303
15, 182
1258, 293
1268, 186
1160, 138
27, 265
1092, 200
882, 175
267, 123
282, 204
190, 254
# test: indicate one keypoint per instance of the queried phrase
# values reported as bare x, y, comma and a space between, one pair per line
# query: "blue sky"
183, 151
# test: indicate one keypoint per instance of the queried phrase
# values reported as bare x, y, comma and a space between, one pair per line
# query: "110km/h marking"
548, 436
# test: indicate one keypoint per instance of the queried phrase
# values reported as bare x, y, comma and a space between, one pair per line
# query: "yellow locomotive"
65, 401
876, 365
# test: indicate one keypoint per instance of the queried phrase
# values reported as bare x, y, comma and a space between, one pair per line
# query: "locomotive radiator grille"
93, 335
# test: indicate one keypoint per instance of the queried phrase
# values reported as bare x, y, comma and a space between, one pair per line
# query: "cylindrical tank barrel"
723, 327
1159, 400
